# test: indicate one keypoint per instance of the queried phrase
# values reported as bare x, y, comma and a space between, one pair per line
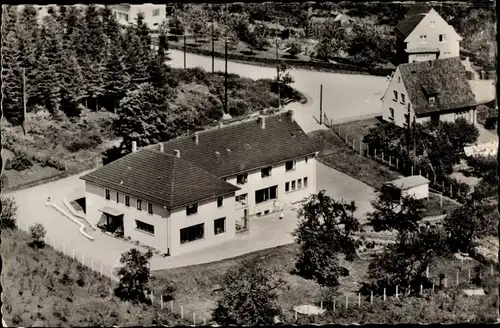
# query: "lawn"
336, 154
196, 285
47, 286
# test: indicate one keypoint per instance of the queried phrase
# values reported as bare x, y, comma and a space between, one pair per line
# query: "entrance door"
245, 218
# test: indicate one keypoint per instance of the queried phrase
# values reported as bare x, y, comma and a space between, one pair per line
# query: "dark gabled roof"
244, 146
412, 18
446, 79
159, 178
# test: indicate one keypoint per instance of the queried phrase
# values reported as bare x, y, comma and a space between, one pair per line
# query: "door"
245, 219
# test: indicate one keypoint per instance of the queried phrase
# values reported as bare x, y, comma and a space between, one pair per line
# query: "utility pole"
408, 136
225, 78
213, 46
278, 76
24, 101
184, 50
321, 104
414, 140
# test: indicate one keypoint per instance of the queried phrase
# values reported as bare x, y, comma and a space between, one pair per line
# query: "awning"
111, 211
422, 50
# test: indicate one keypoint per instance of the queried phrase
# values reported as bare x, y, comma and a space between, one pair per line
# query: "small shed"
415, 185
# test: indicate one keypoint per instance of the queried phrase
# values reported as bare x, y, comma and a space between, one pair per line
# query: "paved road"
344, 95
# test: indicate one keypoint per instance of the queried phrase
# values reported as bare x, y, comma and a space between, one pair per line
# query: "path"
345, 96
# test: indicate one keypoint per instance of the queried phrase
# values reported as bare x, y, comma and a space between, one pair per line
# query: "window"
139, 204
192, 209
242, 178
290, 165
293, 185
108, 197
156, 12
423, 39
150, 208
299, 183
391, 114
432, 100
117, 197
442, 37
399, 79
219, 226
395, 95
126, 17
287, 186
143, 226
127, 200
193, 233
241, 199
402, 98
266, 172
266, 194
305, 182
220, 199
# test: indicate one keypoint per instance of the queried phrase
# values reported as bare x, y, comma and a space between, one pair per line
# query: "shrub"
37, 232
8, 164
21, 162
9, 210
4, 181
83, 141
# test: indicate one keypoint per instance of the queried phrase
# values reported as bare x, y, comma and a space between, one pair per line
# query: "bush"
4, 181
9, 210
37, 232
21, 162
8, 164
83, 141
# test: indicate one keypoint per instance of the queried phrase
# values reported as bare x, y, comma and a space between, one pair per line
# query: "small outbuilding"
416, 186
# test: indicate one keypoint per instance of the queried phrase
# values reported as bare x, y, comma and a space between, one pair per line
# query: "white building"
190, 192
154, 14
415, 186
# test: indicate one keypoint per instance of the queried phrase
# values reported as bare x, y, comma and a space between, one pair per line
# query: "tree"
460, 133
324, 232
142, 31
198, 20
9, 211
294, 49
333, 40
134, 275
256, 37
177, 26
249, 294
371, 44
116, 79
468, 223
37, 232
12, 93
71, 81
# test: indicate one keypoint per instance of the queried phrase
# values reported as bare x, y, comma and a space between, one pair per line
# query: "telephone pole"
184, 50
213, 46
225, 78
24, 101
278, 76
321, 104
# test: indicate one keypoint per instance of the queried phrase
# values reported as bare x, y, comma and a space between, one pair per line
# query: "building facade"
424, 35
154, 14
436, 90
197, 191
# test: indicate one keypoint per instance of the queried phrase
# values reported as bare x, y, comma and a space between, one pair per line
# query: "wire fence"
98, 267
440, 184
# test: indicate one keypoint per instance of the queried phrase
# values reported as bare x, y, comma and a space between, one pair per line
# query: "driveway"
345, 96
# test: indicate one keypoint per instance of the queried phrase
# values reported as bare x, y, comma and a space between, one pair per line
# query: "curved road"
345, 96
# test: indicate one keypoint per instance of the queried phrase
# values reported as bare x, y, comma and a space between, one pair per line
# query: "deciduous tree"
134, 275
37, 232
325, 231
9, 212
249, 294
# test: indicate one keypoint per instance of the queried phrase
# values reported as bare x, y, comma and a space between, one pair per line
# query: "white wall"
419, 192
400, 108
278, 178
421, 57
470, 115
433, 25
95, 199
208, 212
153, 21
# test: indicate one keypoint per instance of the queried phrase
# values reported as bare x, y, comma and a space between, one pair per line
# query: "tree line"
71, 58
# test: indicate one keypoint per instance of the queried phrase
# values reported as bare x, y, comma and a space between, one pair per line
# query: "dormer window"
432, 100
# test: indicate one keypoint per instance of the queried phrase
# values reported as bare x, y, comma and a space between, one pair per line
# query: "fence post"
457, 276
468, 274
101, 269
371, 297
182, 312
367, 150
161, 301
64, 249
296, 315
412, 170
458, 192
375, 154
427, 272
385, 296
451, 191
204, 321
321, 305
383, 158
397, 163
433, 285
421, 289
354, 144
346, 137
172, 306
346, 301
397, 291
359, 299
440, 199
361, 146
339, 131
442, 185
194, 318
83, 259
334, 303
390, 160
308, 310
445, 282
492, 271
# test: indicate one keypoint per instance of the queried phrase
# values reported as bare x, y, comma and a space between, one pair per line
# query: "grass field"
45, 285
196, 286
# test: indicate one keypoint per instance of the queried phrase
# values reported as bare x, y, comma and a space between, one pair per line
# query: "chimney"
196, 137
220, 125
177, 153
161, 148
290, 112
262, 121
134, 146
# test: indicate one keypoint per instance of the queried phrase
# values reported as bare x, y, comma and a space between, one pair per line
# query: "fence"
442, 185
98, 267
462, 277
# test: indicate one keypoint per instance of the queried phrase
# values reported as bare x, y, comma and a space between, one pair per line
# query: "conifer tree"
116, 78
12, 101
71, 81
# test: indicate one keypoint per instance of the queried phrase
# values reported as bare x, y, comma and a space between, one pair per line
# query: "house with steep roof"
424, 35
192, 192
436, 90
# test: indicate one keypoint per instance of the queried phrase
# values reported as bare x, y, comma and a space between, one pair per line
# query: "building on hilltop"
200, 187
436, 90
424, 35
